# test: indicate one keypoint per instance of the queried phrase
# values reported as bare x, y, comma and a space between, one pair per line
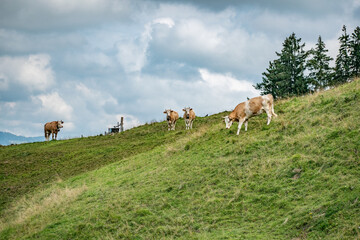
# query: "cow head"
228, 121
168, 112
187, 112
59, 124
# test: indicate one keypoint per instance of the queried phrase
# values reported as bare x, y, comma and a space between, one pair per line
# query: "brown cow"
171, 117
189, 116
52, 128
252, 107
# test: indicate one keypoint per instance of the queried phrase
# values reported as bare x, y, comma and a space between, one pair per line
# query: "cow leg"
272, 110
241, 121
268, 113
55, 135
191, 122
268, 119
169, 126
246, 124
174, 125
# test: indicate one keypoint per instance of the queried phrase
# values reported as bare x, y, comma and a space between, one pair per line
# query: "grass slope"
297, 178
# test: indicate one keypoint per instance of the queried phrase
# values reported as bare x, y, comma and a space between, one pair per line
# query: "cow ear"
164, 111
184, 109
190, 108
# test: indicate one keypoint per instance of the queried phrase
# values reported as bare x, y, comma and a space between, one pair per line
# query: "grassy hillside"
297, 178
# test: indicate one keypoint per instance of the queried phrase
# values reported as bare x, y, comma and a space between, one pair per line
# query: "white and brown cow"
171, 118
189, 117
52, 128
252, 107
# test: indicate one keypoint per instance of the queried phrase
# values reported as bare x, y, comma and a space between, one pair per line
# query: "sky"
89, 62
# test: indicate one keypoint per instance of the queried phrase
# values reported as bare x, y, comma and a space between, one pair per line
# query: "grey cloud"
23, 42
48, 15
309, 8
210, 46
357, 13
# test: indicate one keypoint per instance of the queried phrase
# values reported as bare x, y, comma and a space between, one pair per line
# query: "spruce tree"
285, 75
355, 53
271, 81
318, 64
343, 60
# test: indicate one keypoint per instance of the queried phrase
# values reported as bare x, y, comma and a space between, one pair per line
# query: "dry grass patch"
39, 204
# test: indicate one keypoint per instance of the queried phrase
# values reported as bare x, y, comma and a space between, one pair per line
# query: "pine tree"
320, 71
285, 75
355, 53
343, 60
271, 81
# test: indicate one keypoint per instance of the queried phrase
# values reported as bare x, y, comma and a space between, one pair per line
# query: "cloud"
308, 8
57, 14
55, 106
226, 83
201, 42
132, 52
32, 72
129, 121
96, 101
166, 21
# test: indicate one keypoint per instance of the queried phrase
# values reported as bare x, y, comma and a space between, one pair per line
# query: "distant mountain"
9, 138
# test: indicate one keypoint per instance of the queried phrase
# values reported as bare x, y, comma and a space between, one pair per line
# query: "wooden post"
122, 124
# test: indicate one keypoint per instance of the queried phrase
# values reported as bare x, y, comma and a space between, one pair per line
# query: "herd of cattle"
242, 113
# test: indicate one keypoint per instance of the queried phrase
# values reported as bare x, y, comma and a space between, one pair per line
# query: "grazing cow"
189, 116
252, 107
52, 128
171, 117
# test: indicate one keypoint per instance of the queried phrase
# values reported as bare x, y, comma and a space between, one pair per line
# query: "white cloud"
196, 35
226, 83
53, 104
132, 52
129, 121
95, 97
33, 72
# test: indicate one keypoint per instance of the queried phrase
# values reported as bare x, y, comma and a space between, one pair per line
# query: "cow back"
174, 116
255, 105
50, 126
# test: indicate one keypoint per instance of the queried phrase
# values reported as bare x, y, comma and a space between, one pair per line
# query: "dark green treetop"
319, 66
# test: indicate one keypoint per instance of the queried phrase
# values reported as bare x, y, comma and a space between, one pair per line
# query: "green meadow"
298, 178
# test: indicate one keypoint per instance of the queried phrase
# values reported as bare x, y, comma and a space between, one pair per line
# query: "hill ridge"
296, 178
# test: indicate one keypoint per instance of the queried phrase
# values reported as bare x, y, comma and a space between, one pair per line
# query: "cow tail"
272, 109
45, 132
